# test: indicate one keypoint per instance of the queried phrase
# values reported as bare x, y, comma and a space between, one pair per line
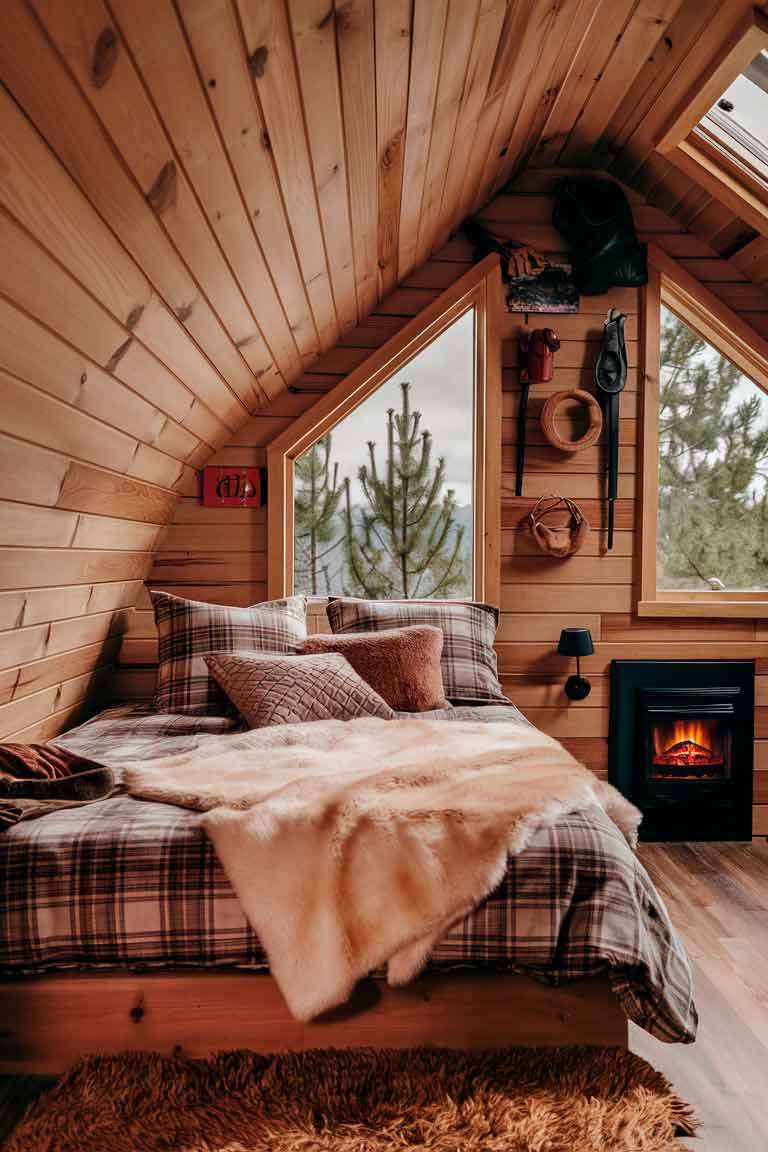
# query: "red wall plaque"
234, 487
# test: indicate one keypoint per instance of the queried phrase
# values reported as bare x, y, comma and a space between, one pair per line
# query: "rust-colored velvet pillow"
401, 664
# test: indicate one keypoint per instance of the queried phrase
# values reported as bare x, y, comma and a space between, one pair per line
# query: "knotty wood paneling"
205, 201
220, 555
263, 174
274, 169
594, 582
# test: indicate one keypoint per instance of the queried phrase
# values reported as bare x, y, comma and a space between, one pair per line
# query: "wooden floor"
717, 895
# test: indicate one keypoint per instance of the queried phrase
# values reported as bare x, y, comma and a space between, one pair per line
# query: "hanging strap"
610, 379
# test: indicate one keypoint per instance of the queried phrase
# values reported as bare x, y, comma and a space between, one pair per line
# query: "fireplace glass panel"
687, 746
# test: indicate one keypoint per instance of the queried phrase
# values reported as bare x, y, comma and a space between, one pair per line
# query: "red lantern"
537, 361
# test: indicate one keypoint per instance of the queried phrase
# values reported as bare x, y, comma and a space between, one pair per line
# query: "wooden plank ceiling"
624, 144
233, 184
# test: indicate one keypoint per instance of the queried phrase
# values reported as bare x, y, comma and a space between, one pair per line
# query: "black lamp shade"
575, 642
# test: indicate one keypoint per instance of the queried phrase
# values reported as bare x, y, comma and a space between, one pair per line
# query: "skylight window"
718, 136
739, 119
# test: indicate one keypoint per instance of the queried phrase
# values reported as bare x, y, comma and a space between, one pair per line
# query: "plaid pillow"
468, 659
188, 629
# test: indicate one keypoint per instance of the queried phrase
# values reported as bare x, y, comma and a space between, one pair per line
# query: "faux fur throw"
356, 844
36, 779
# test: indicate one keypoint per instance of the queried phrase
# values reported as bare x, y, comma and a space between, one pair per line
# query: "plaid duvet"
124, 882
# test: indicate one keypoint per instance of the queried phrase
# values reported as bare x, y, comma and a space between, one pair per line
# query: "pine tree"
317, 494
405, 542
713, 507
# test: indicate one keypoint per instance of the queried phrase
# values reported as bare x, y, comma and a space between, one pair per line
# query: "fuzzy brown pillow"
401, 664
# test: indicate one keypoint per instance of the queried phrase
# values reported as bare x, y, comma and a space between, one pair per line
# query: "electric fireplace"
680, 745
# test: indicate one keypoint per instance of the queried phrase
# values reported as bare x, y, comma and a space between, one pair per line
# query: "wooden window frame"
722, 171
479, 288
713, 320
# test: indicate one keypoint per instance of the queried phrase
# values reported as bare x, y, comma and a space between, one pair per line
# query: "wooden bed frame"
47, 1022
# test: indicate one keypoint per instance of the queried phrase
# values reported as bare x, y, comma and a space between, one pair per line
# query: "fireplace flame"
687, 744
681, 732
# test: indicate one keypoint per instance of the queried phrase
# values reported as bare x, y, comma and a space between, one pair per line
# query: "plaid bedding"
124, 882
187, 630
468, 660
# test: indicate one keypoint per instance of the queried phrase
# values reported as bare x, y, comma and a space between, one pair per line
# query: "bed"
118, 928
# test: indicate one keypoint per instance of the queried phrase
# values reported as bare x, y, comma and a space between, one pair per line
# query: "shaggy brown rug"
552, 1100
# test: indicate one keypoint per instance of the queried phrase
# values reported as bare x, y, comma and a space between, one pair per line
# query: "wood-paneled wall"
86, 473
220, 555
200, 197
197, 197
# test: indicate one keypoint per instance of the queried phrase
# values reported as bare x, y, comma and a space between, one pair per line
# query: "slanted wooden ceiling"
233, 184
660, 83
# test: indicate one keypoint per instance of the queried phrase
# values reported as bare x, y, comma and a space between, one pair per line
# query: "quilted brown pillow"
401, 664
270, 690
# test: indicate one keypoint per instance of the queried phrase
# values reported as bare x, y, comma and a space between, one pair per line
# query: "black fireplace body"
681, 745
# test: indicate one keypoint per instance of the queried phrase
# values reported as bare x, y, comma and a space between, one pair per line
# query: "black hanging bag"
596, 220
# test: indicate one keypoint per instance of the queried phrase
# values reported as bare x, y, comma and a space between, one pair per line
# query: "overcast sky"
442, 389
750, 106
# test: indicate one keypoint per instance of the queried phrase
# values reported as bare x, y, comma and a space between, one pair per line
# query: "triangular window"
382, 504
383, 489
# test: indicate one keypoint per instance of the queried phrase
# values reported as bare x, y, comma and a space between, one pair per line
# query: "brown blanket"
39, 778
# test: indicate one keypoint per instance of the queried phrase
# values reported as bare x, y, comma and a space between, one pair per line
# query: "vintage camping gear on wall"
534, 284
610, 378
537, 365
558, 525
516, 259
595, 218
551, 290
594, 420
234, 487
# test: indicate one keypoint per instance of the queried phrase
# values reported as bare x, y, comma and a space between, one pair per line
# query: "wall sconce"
576, 642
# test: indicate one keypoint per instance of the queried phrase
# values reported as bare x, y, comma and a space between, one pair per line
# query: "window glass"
713, 469
740, 117
383, 502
